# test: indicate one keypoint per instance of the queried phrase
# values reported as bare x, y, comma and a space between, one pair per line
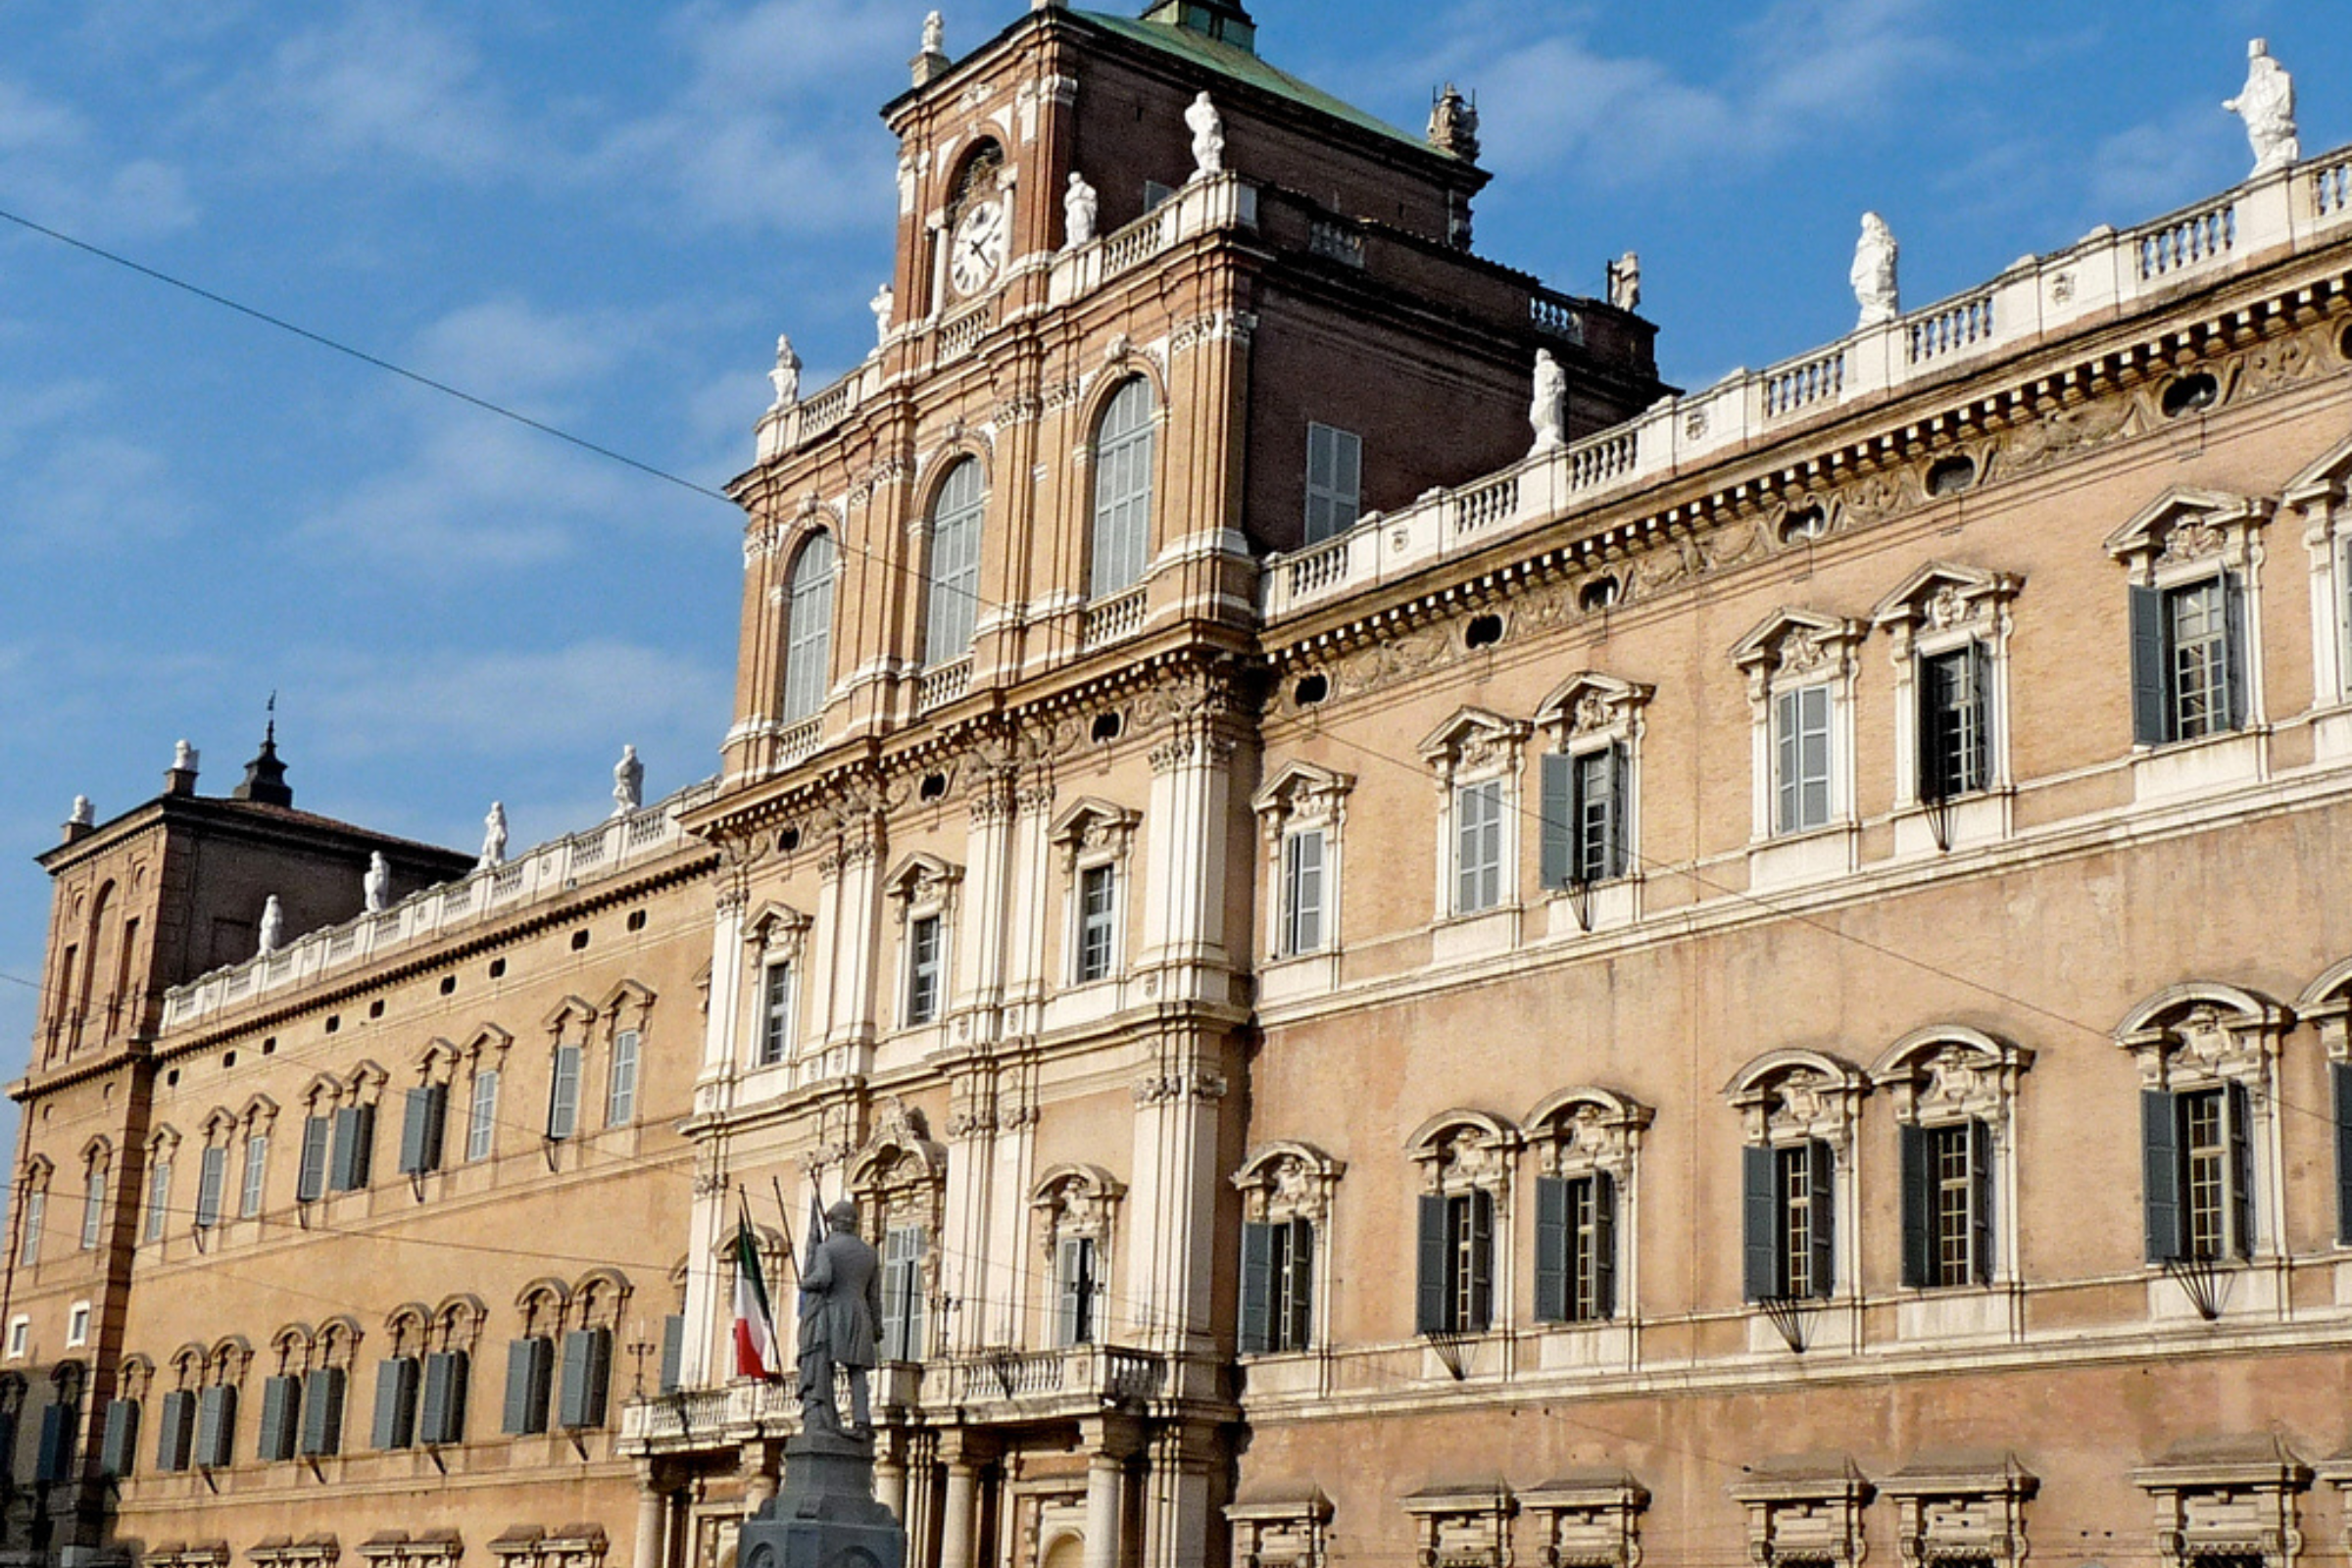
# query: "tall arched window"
809, 629
953, 593
1122, 540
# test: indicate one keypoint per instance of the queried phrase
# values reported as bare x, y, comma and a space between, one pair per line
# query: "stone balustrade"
2105, 273
545, 872
1113, 620
1202, 206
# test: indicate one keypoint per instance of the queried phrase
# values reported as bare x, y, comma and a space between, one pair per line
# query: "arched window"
953, 593
808, 629
1122, 540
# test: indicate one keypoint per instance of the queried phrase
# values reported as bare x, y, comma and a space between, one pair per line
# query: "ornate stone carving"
1548, 406
1872, 273
786, 376
1463, 1527
1804, 1510
1079, 209
1588, 1519
2267, 104
1209, 137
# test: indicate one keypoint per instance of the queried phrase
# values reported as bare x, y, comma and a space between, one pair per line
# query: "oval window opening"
788, 841
1803, 523
2191, 393
1600, 593
1951, 476
2344, 343
1107, 727
934, 787
1311, 691
1484, 631
449, 985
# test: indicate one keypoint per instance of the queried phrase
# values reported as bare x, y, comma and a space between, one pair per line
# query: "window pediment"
566, 1014
1587, 1128
2322, 484
1288, 1180
2201, 1033
1591, 702
1463, 1149
1087, 825
2186, 525
778, 927
922, 879
1949, 1070
1301, 794
1942, 597
1793, 644
1474, 740
1788, 1095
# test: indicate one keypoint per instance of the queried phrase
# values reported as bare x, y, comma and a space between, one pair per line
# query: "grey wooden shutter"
526, 1408
1433, 1254
1069, 1279
1790, 714
587, 1375
1760, 1224
673, 1352
2151, 713
424, 1115
443, 1415
322, 1411
2340, 1076
177, 1430
1301, 1296
310, 1184
281, 1414
1602, 1261
117, 1451
564, 1094
1258, 1287
1919, 1206
396, 1403
355, 1147
1552, 1241
1482, 1262
1929, 729
1558, 807
53, 1462
1820, 1191
2236, 656
1980, 1206
1980, 677
2160, 1174
216, 1427
2241, 1171
1621, 812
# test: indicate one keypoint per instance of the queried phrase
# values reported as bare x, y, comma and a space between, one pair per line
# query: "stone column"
890, 1471
1108, 1441
957, 1518
652, 1511
759, 1475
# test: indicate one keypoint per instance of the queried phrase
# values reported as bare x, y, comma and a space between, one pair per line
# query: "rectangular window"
1788, 1223
1955, 732
216, 1427
621, 1086
424, 1113
1097, 922
1947, 1204
1454, 1280
53, 1460
36, 1216
19, 1338
587, 1377
922, 969
902, 1293
775, 1014
1335, 465
1801, 748
322, 1411
1587, 816
281, 1419
396, 1401
118, 1449
78, 1326
355, 1149
564, 1094
441, 1411
212, 1176
482, 1116
93, 1211
1074, 1289
257, 1176
176, 1430
1278, 1273
1478, 847
531, 1374
158, 1200
1576, 1247
2189, 661
2339, 1078
317, 1136
2197, 1168
1303, 893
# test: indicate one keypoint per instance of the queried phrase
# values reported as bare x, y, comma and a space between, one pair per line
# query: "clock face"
977, 249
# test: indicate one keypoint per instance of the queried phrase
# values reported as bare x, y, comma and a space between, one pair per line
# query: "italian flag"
754, 1322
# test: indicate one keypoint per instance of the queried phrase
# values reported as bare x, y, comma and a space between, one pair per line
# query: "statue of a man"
935, 35
1873, 273
494, 837
1625, 281
376, 886
786, 376
1080, 210
1547, 410
84, 813
629, 782
882, 305
841, 1306
274, 925
1209, 137
2267, 104
183, 758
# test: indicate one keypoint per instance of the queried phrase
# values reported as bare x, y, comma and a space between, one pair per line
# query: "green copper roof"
1239, 63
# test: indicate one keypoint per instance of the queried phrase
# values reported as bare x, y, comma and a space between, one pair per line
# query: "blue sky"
603, 214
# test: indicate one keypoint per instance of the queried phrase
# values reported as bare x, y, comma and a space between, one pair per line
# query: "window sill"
1980, 817
2199, 766
1306, 974
1828, 1326
1816, 855
1604, 1345
2243, 1288
1571, 913
1958, 1313
1473, 936
1464, 1356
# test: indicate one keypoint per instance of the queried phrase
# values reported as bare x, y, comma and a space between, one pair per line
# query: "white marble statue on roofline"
935, 35
629, 782
1081, 210
84, 815
884, 302
183, 758
1209, 137
1873, 273
273, 926
2267, 104
376, 886
841, 1308
1625, 281
786, 376
494, 837
1547, 410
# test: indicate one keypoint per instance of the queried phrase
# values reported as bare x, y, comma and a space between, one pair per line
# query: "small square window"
20, 1336
78, 1326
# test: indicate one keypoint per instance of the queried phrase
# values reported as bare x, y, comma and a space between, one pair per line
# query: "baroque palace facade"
1754, 983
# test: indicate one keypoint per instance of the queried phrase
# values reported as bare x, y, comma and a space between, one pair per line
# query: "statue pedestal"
826, 1515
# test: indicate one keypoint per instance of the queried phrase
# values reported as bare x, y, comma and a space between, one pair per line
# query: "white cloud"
57, 172
2150, 168
506, 347
94, 494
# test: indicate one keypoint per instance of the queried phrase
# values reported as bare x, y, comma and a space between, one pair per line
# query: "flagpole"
784, 1219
